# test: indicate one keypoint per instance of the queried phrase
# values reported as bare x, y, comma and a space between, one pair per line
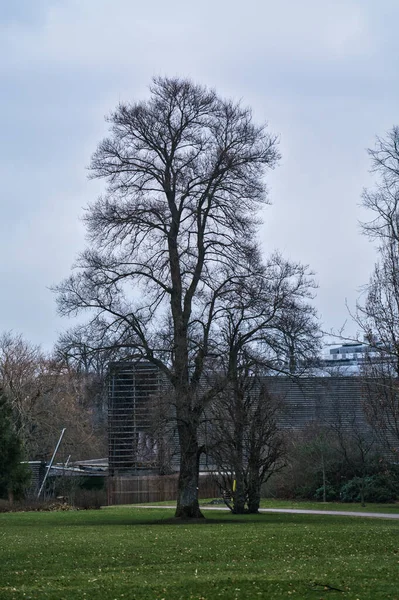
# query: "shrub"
82, 491
33, 506
377, 488
331, 493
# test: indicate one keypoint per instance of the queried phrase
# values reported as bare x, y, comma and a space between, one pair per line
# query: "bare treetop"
385, 155
184, 162
184, 174
383, 199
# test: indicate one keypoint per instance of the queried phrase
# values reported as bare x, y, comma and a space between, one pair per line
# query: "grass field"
126, 553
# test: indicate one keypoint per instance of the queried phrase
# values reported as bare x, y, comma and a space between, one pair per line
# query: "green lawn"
132, 553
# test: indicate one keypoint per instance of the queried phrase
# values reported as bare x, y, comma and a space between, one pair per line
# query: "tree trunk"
187, 492
362, 491
254, 493
239, 494
323, 467
239, 424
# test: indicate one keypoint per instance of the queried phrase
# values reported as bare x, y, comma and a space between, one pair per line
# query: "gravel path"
295, 511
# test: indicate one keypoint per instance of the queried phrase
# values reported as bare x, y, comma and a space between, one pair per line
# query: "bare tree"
380, 387
185, 179
85, 353
383, 199
243, 437
80, 349
297, 339
22, 371
44, 397
245, 444
269, 311
378, 315
311, 455
64, 405
356, 443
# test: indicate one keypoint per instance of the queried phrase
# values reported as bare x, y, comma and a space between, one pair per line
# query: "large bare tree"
378, 315
185, 179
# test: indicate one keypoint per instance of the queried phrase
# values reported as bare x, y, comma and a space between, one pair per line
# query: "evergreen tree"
14, 475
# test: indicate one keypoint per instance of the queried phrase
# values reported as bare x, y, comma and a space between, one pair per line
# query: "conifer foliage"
14, 475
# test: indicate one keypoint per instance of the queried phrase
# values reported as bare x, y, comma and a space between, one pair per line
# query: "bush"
83, 491
350, 491
331, 493
377, 488
33, 506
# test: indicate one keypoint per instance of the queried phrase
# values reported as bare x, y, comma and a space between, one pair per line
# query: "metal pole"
51, 463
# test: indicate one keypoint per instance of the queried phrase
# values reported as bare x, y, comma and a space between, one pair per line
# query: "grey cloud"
323, 74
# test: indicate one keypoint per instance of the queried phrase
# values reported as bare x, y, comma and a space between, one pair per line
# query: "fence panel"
145, 489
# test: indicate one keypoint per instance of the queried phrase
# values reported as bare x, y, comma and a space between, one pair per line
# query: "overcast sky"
323, 73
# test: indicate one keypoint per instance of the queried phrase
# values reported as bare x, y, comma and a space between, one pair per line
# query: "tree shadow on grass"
266, 519
166, 521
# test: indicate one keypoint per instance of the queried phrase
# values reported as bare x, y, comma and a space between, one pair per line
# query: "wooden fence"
134, 490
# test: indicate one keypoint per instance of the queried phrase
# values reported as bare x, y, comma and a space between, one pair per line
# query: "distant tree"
297, 338
46, 396
355, 441
318, 450
22, 377
378, 315
14, 475
86, 354
68, 404
381, 404
185, 178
